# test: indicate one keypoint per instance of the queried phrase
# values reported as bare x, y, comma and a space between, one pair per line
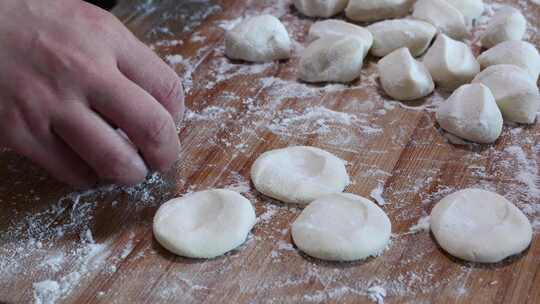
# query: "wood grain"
386, 143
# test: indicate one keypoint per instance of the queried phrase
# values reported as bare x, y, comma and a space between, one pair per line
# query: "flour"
421, 225
376, 194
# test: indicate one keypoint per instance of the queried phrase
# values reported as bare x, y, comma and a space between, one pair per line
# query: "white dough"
332, 59
204, 224
471, 9
480, 226
298, 174
514, 91
451, 63
520, 53
374, 10
404, 78
320, 8
338, 28
258, 39
443, 16
342, 227
391, 35
471, 113
507, 24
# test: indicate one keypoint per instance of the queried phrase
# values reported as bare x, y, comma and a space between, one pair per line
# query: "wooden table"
97, 246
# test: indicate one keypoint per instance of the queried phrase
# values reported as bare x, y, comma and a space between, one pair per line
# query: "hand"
71, 75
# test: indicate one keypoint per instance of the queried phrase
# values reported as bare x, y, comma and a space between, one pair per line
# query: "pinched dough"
338, 28
443, 16
391, 35
520, 53
507, 24
320, 8
374, 10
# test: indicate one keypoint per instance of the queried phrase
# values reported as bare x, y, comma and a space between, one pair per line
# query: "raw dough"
204, 224
471, 113
391, 35
258, 39
451, 63
342, 227
480, 226
332, 59
298, 174
320, 8
340, 28
443, 16
404, 78
471, 9
507, 24
374, 10
520, 53
515, 93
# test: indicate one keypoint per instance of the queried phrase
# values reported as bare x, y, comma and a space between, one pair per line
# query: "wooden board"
97, 246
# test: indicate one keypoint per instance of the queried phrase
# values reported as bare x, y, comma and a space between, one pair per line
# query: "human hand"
70, 75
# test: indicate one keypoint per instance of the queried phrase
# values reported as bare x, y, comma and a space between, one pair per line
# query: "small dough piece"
332, 59
480, 226
520, 53
391, 35
404, 78
471, 113
515, 93
298, 174
471, 9
204, 224
258, 39
451, 63
320, 8
334, 27
342, 227
506, 25
443, 16
375, 10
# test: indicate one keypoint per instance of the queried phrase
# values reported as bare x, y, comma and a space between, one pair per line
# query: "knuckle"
173, 95
159, 130
120, 167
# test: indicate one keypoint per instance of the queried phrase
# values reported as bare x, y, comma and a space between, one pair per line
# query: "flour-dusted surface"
60, 246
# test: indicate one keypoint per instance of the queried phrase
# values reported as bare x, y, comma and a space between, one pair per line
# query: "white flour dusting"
376, 194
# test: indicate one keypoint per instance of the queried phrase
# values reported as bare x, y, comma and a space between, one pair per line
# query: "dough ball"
520, 53
480, 226
204, 224
320, 8
298, 174
471, 9
404, 78
342, 227
258, 39
340, 28
451, 63
374, 10
443, 16
332, 59
391, 35
514, 91
506, 25
471, 113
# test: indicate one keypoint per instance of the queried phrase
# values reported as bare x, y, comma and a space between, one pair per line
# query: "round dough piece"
320, 8
342, 227
403, 77
480, 226
443, 16
338, 28
258, 39
375, 10
471, 113
506, 25
332, 59
204, 224
471, 9
520, 53
391, 35
298, 174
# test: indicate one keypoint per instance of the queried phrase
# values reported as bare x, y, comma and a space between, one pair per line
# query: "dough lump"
320, 8
480, 226
204, 224
298, 174
258, 39
374, 10
471, 9
507, 24
520, 53
342, 227
391, 35
338, 28
443, 16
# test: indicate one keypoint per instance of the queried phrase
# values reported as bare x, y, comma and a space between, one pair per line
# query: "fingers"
99, 145
141, 65
145, 121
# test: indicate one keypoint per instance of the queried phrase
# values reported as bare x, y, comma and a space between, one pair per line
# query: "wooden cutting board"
97, 246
